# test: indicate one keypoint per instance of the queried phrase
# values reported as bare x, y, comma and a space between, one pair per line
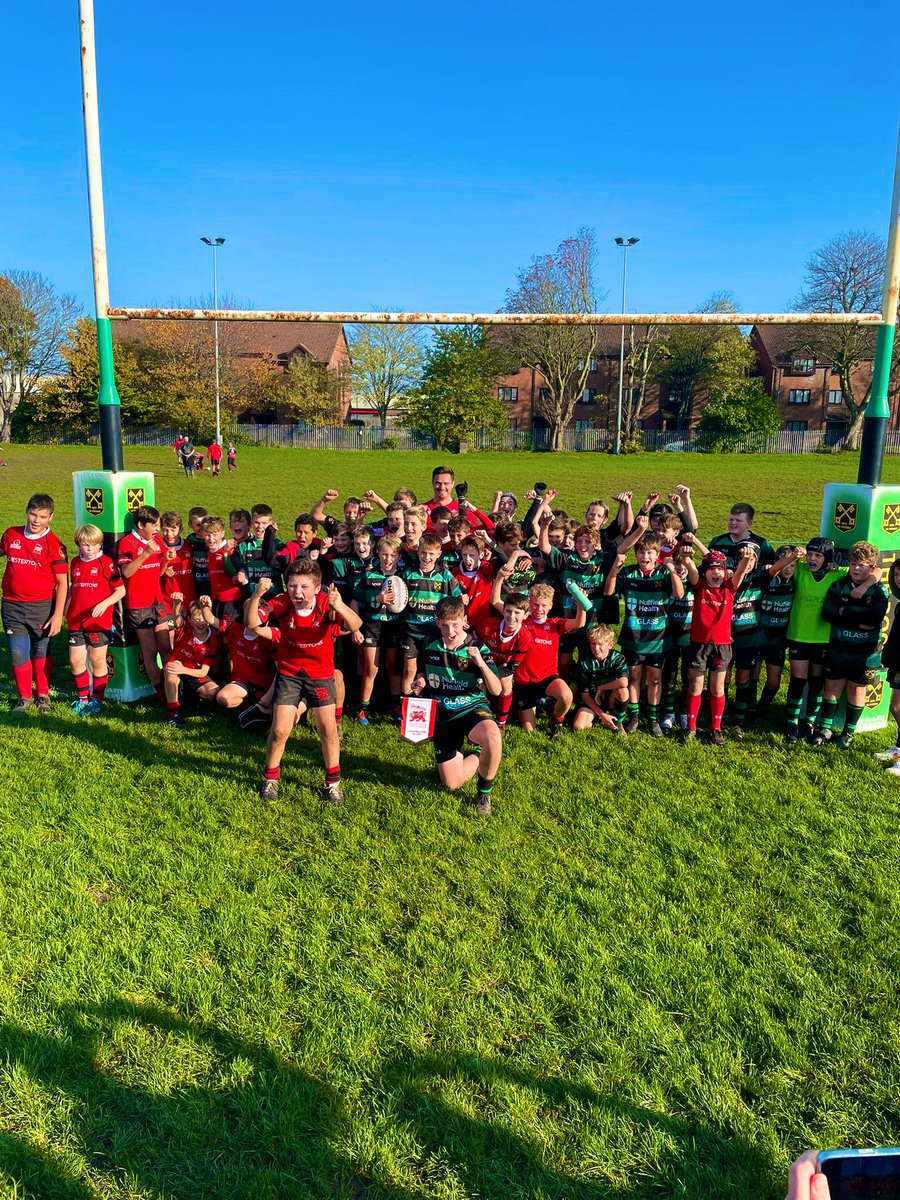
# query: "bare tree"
386, 362
846, 275
33, 324
561, 282
643, 354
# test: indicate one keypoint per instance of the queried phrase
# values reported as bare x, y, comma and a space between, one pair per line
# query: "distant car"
677, 447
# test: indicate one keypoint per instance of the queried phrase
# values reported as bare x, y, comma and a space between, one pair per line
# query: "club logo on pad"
845, 516
874, 692
93, 501
134, 499
890, 518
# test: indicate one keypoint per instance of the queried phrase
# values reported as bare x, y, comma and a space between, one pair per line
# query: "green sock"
484, 786
826, 713
652, 712
634, 710
852, 720
365, 704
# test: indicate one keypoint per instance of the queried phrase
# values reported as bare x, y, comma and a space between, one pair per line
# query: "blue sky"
411, 156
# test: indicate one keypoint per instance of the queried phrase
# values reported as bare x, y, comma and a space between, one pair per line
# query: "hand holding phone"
867, 1174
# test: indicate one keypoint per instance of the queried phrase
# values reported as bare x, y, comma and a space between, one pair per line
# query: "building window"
799, 396
544, 394
796, 426
582, 426
836, 397
835, 370
588, 396
803, 366
592, 365
510, 394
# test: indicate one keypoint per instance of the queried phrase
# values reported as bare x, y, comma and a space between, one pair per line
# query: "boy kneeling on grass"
601, 682
198, 645
309, 622
453, 669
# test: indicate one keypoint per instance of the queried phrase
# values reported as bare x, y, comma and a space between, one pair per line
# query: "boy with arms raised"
381, 630
601, 682
647, 589
427, 582
95, 590
453, 670
309, 621
808, 633
739, 535
35, 584
855, 607
508, 641
714, 588
198, 644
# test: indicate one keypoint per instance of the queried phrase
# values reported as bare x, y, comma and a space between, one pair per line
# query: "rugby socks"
272, 773
794, 701
768, 695
854, 712
555, 720
634, 709
652, 712
502, 705
692, 709
338, 715
716, 709
99, 687
172, 707
42, 667
826, 715
82, 685
483, 786
814, 698
332, 775
744, 701
22, 675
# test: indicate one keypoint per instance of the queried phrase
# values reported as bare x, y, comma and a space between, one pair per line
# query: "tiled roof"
317, 339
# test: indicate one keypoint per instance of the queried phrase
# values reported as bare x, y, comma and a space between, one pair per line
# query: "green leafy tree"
310, 392
699, 358
458, 393
386, 364
738, 409
33, 323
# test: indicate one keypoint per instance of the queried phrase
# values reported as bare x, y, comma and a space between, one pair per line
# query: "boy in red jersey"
95, 590
141, 557
508, 641
215, 457
227, 594
538, 675
252, 665
475, 580
34, 589
309, 622
178, 573
197, 646
710, 650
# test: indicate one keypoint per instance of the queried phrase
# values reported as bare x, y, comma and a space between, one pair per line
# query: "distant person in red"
232, 457
34, 589
142, 557
180, 439
215, 457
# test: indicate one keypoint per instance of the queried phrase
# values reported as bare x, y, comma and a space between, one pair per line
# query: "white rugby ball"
399, 593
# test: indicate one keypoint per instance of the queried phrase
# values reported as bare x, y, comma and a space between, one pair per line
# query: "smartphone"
540, 487
862, 1174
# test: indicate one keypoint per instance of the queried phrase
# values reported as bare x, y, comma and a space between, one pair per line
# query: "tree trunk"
556, 432
5, 424
853, 436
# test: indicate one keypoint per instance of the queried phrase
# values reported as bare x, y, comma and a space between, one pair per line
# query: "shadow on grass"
248, 1125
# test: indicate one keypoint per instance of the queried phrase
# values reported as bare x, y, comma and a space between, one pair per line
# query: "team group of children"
485, 613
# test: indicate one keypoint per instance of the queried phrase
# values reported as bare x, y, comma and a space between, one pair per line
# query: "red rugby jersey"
32, 564
478, 588
92, 582
506, 651
711, 620
252, 659
542, 659
142, 589
191, 652
222, 586
304, 645
178, 574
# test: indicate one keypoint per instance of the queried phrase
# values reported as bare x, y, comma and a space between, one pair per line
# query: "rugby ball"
399, 593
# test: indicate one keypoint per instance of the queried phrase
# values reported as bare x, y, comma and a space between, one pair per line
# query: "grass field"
657, 971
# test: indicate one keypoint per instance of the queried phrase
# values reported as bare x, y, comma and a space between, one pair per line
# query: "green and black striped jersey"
588, 573
425, 590
366, 591
775, 606
647, 598
591, 673
451, 678
745, 616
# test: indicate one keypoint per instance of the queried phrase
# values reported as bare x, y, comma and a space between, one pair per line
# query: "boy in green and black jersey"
647, 590
428, 583
601, 681
774, 614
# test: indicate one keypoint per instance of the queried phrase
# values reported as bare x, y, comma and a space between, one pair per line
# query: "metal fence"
352, 437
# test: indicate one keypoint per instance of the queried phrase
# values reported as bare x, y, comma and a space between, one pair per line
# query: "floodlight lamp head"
207, 240
633, 241
619, 241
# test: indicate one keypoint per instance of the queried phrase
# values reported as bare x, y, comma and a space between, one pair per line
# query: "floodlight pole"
878, 410
107, 397
625, 245
215, 243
